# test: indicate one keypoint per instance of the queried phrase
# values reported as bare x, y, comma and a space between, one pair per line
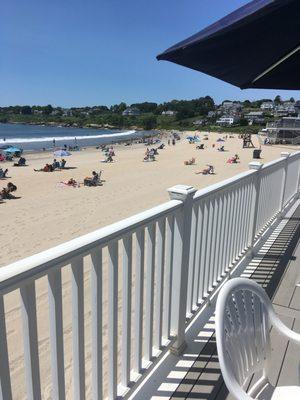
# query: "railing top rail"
216, 187
12, 276
280, 160
271, 164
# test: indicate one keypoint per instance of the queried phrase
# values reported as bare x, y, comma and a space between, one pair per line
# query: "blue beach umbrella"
256, 46
62, 153
13, 150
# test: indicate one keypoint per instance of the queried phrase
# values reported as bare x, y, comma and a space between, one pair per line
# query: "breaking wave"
65, 138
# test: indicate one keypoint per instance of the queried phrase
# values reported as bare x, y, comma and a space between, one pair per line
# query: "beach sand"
48, 214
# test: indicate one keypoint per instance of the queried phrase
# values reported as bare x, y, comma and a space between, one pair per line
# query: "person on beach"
53, 142
21, 162
55, 164
92, 181
46, 168
5, 193
3, 173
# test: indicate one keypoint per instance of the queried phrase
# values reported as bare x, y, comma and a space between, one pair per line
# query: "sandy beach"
48, 214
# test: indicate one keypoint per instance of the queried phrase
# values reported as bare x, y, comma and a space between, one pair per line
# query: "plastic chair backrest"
242, 330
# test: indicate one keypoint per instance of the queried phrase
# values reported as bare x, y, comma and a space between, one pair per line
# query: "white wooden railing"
148, 274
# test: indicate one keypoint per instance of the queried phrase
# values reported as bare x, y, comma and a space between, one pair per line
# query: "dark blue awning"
256, 46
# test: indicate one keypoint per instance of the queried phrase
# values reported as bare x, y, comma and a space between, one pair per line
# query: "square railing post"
285, 155
256, 166
182, 237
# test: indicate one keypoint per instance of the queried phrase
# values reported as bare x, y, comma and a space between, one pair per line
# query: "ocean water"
38, 137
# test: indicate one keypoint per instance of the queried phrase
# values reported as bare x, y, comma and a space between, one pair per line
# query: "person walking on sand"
53, 142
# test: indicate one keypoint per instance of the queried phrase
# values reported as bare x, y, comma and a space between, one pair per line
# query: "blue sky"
75, 53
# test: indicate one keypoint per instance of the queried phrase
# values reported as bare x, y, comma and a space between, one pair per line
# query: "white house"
131, 111
226, 121
169, 113
267, 105
255, 117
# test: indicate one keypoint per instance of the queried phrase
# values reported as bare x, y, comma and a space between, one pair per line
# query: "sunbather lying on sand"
46, 168
189, 162
71, 182
233, 160
207, 171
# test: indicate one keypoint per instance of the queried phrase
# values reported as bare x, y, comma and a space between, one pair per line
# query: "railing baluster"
234, 225
139, 299
220, 226
30, 337
150, 230
126, 309
112, 319
198, 214
209, 243
200, 250
96, 308
56, 334
205, 234
256, 202
78, 329
168, 276
241, 216
224, 236
191, 270
229, 229
215, 241
5, 384
159, 282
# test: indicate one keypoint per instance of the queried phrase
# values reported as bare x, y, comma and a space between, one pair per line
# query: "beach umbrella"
220, 140
190, 138
256, 46
13, 150
62, 153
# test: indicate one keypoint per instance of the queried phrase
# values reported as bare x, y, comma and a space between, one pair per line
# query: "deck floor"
196, 374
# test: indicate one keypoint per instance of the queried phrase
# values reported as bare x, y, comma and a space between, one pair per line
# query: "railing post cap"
255, 165
181, 192
285, 154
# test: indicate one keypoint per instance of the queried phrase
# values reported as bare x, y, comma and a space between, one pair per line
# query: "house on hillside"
255, 117
226, 121
169, 113
131, 112
267, 106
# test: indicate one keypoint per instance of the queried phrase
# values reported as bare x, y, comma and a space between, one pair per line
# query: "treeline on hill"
150, 114
185, 112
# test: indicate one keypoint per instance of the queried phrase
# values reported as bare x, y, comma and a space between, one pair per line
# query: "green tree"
26, 110
243, 122
148, 122
277, 100
48, 109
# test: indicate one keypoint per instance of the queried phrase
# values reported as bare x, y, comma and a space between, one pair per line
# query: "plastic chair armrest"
282, 328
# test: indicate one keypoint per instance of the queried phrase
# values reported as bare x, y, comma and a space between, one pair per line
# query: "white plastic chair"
244, 315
